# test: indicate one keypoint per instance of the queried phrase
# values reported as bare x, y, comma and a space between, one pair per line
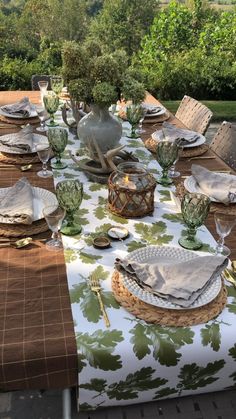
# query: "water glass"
58, 139
194, 208
224, 225
69, 194
51, 103
140, 129
54, 215
44, 152
43, 85
166, 155
43, 116
56, 84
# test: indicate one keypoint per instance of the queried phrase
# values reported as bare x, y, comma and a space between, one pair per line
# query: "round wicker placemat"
19, 158
20, 230
157, 119
19, 121
167, 317
214, 207
151, 145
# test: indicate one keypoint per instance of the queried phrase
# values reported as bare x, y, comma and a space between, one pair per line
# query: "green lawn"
222, 110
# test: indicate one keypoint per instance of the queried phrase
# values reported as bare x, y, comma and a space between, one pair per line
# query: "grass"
222, 110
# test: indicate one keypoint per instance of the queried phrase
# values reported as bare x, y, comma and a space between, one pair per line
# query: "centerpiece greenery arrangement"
99, 79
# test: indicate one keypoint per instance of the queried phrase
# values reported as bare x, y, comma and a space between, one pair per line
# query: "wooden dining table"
37, 340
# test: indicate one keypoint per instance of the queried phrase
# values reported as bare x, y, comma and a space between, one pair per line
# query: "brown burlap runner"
19, 121
19, 158
214, 207
151, 145
167, 317
21, 230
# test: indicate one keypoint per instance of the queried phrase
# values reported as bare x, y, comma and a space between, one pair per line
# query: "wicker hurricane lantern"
131, 190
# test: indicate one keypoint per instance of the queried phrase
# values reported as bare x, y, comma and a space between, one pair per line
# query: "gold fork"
96, 287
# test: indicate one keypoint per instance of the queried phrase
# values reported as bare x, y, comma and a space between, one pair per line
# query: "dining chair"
194, 114
224, 143
38, 77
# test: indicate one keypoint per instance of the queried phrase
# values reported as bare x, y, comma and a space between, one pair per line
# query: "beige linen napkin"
172, 133
21, 108
152, 109
21, 141
219, 186
178, 282
17, 205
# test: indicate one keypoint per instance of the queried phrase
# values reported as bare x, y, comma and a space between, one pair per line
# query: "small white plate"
192, 186
118, 232
165, 254
32, 114
159, 112
37, 139
41, 199
158, 136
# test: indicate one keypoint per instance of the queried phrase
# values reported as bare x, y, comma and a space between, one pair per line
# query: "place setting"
19, 113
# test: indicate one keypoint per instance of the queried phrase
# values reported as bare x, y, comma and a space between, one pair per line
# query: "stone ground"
48, 404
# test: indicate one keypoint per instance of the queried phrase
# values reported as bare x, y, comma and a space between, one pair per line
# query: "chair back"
224, 143
38, 77
194, 114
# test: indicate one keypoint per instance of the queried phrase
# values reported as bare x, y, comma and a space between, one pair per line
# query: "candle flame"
126, 179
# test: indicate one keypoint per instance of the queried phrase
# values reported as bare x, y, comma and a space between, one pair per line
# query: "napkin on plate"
179, 282
152, 109
17, 205
21, 141
221, 187
172, 133
21, 108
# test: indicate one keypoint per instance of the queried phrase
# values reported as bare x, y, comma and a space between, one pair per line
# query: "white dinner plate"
32, 114
41, 199
159, 112
37, 139
158, 136
167, 254
191, 185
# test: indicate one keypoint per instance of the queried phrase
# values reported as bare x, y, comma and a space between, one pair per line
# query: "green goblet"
58, 139
166, 154
51, 103
56, 84
195, 208
134, 113
69, 194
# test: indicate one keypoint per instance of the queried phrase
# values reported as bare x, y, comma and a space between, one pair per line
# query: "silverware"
26, 167
18, 244
202, 158
95, 287
229, 277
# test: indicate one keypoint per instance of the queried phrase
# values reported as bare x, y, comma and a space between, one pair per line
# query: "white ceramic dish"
158, 136
165, 254
191, 185
37, 139
41, 199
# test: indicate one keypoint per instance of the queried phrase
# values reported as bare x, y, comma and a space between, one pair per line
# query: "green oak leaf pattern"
193, 376
98, 348
210, 335
79, 216
165, 392
135, 144
232, 352
232, 307
143, 156
97, 187
163, 343
134, 245
81, 362
88, 257
117, 219
174, 218
154, 233
68, 176
154, 171
207, 248
165, 195
231, 291
86, 196
71, 255
101, 230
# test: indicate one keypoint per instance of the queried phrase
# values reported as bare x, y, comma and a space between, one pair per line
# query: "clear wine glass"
224, 225
44, 152
69, 194
56, 84
43, 116
140, 129
51, 103
172, 172
58, 139
54, 216
43, 85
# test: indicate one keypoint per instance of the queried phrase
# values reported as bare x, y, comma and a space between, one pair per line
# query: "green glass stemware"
51, 103
56, 84
195, 208
69, 194
134, 113
166, 154
58, 139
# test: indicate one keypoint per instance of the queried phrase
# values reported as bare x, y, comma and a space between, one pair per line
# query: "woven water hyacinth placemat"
214, 207
167, 317
151, 145
19, 158
21, 230
149, 120
19, 121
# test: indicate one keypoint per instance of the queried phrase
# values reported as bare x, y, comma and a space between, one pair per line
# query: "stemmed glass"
43, 85
133, 114
51, 103
54, 216
224, 224
69, 194
194, 208
172, 172
166, 154
58, 139
44, 151
56, 84
140, 129
43, 116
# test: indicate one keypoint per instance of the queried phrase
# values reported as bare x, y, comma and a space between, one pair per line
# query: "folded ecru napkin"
179, 282
219, 186
172, 133
152, 109
21, 141
21, 108
17, 205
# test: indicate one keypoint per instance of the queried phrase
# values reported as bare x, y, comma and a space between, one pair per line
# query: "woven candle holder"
131, 190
